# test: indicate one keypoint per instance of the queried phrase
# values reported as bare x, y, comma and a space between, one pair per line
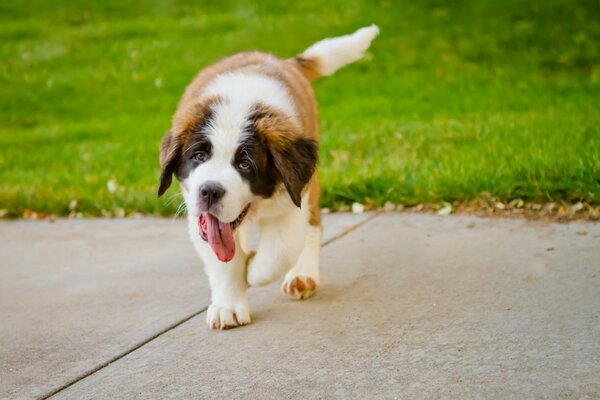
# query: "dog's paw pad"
299, 287
223, 317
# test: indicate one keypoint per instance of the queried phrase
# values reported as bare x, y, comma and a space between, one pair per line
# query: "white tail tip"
333, 53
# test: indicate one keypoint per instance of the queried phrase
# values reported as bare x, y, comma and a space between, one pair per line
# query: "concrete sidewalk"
411, 306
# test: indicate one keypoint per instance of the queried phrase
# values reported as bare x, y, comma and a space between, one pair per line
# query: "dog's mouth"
220, 234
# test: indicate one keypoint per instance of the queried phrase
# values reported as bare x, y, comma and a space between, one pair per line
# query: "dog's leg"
280, 244
302, 280
229, 290
229, 293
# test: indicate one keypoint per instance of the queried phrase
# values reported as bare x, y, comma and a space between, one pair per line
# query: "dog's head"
226, 158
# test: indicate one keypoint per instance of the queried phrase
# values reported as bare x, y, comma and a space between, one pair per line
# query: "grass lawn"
454, 99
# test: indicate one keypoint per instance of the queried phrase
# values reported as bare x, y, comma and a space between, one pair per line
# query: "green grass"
455, 98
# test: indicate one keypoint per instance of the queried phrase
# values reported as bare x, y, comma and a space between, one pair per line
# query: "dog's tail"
328, 55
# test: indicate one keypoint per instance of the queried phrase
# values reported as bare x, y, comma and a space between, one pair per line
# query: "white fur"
225, 135
245, 89
238, 93
282, 223
334, 53
288, 244
229, 294
307, 264
282, 228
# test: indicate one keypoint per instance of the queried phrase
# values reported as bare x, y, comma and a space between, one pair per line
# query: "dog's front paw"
299, 287
221, 316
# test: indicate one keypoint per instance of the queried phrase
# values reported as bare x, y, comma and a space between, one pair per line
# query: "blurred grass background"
454, 99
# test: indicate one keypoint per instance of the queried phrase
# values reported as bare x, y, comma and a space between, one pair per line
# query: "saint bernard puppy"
244, 146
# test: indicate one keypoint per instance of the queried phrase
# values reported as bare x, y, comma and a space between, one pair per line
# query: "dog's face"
226, 158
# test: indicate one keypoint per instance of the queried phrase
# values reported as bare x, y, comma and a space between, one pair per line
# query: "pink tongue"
220, 238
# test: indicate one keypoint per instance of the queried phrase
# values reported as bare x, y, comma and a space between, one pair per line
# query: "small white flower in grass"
111, 185
577, 207
516, 203
389, 206
158, 82
446, 209
358, 208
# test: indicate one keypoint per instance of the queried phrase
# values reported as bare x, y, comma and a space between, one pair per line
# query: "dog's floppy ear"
186, 119
170, 157
295, 162
295, 157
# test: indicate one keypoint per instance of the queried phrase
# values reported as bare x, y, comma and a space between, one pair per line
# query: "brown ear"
170, 156
295, 161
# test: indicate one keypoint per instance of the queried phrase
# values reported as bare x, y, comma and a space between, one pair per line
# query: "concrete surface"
412, 306
75, 294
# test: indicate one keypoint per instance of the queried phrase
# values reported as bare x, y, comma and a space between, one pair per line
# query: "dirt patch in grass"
482, 207
492, 207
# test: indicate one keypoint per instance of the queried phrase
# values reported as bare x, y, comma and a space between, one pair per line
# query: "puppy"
244, 146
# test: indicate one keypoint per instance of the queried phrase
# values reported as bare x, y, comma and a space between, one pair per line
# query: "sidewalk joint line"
350, 229
182, 321
123, 354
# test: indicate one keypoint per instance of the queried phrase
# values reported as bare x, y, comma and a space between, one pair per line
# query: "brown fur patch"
175, 140
287, 72
295, 156
313, 201
310, 67
300, 287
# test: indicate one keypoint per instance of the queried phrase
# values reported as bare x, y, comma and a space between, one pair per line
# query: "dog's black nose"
211, 193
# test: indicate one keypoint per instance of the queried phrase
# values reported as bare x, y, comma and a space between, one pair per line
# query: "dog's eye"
245, 166
200, 156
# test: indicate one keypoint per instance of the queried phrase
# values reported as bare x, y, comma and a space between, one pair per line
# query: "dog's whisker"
172, 198
180, 209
